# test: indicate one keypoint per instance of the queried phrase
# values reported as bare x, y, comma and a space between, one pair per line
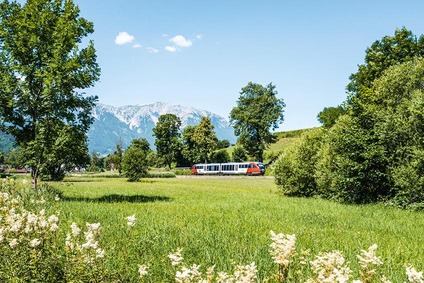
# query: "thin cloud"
124, 38
181, 41
152, 50
170, 48
137, 45
199, 36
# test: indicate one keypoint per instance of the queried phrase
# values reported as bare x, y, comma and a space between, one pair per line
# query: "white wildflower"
34, 243
224, 277
54, 227
131, 220
245, 274
192, 274
100, 253
413, 275
368, 257
53, 219
13, 243
75, 229
330, 267
142, 270
176, 257
367, 260
282, 248
385, 280
56, 198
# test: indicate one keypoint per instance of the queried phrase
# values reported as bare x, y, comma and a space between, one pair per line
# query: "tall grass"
226, 221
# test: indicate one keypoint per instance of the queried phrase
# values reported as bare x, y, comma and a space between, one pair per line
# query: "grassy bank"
226, 221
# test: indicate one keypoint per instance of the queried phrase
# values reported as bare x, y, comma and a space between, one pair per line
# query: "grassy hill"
284, 139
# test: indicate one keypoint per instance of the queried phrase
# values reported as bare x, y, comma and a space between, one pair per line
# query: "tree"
220, 156
204, 139
167, 133
188, 144
382, 54
221, 144
114, 161
258, 111
135, 162
69, 150
198, 142
96, 162
15, 158
43, 72
329, 115
239, 154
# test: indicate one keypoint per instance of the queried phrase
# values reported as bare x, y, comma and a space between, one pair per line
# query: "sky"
201, 53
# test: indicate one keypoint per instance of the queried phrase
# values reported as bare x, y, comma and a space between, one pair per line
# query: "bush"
294, 171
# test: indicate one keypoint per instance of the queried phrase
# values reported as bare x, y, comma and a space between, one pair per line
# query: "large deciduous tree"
198, 142
258, 111
205, 139
167, 133
43, 70
403, 46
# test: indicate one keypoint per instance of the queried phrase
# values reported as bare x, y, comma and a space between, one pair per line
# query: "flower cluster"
330, 267
414, 276
242, 273
89, 250
282, 248
131, 220
368, 260
22, 227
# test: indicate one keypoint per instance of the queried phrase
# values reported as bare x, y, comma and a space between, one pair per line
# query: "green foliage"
42, 70
220, 156
239, 154
114, 161
199, 141
382, 54
258, 111
135, 162
68, 151
167, 133
16, 158
329, 115
295, 169
221, 144
353, 165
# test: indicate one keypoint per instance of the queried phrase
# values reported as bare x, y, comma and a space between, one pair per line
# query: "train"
233, 168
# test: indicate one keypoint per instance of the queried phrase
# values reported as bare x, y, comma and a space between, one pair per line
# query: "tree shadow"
115, 198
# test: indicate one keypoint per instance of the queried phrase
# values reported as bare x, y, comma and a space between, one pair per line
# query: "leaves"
258, 111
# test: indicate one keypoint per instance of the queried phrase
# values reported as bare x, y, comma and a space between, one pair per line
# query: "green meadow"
226, 221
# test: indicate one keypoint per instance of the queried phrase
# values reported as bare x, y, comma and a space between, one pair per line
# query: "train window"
227, 167
212, 167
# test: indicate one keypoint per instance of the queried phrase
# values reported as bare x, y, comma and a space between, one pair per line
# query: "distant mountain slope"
122, 124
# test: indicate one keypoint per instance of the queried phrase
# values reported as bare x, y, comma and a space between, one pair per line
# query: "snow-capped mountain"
114, 125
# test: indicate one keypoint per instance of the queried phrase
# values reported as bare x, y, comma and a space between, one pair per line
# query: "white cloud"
199, 36
137, 45
152, 50
170, 48
181, 41
124, 38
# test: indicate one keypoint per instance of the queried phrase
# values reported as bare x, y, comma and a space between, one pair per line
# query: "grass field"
225, 221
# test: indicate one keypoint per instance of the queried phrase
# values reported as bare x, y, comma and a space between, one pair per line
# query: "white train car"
234, 168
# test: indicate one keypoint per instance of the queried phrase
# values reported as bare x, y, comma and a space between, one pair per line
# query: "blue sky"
200, 53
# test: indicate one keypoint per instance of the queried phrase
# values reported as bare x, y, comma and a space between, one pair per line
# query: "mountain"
114, 125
